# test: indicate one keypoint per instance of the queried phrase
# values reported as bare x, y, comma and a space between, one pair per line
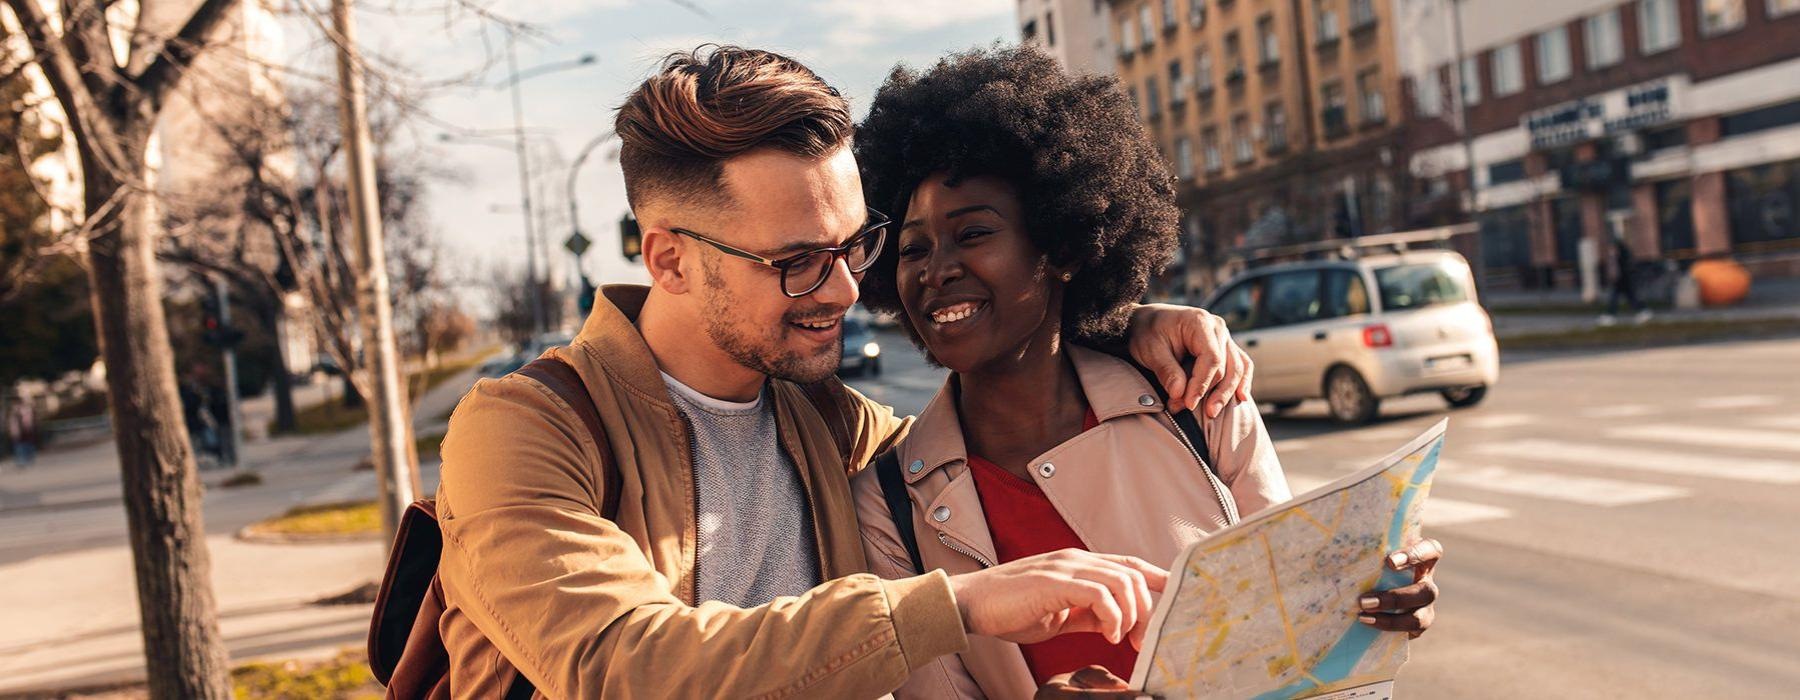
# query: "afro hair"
1098, 197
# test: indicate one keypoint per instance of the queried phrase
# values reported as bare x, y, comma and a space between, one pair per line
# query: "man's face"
784, 205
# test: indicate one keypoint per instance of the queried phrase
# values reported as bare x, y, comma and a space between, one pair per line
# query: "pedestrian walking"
1623, 286
22, 430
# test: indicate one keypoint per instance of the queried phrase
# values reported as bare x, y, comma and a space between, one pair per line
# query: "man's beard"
764, 355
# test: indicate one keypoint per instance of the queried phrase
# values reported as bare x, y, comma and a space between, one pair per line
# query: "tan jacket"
587, 607
1127, 486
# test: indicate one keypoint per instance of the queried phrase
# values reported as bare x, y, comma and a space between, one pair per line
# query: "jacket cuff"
926, 621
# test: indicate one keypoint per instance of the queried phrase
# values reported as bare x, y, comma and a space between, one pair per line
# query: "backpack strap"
1184, 419
899, 504
825, 399
557, 376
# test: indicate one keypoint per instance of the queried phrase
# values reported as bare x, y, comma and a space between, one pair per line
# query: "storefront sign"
1616, 111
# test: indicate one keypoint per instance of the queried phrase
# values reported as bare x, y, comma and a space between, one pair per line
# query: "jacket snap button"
1047, 470
1146, 400
941, 513
916, 465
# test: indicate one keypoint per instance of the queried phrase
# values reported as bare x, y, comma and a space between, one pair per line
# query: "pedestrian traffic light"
213, 329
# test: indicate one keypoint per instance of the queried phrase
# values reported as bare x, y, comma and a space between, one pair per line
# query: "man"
22, 430
732, 566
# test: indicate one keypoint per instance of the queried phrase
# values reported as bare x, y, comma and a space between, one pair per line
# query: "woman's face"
974, 286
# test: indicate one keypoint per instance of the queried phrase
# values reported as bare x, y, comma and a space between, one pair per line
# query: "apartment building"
1677, 121
1278, 116
1074, 31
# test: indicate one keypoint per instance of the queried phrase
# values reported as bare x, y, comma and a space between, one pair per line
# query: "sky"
853, 44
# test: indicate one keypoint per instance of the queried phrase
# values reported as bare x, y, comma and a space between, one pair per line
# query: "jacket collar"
611, 339
1113, 387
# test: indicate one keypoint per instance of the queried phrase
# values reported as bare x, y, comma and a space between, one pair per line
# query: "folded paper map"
1267, 608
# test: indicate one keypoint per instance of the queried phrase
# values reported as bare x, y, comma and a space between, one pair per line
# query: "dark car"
862, 353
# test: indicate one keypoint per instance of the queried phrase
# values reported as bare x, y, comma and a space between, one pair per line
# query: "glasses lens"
805, 275
861, 256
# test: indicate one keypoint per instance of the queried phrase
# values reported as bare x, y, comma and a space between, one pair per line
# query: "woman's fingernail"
1366, 619
1397, 559
1370, 602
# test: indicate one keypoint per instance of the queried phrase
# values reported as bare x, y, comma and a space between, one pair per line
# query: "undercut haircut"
703, 107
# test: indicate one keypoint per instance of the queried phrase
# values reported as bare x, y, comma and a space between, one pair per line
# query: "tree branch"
61, 69
177, 53
84, 32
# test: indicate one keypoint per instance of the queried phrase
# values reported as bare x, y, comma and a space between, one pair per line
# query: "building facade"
1674, 122
1074, 31
1279, 117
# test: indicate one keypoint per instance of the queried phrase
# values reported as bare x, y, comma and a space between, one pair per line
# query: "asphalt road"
1617, 524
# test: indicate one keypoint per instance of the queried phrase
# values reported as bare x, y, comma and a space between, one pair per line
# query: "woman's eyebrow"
953, 214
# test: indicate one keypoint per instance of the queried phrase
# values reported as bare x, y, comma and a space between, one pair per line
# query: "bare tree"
112, 109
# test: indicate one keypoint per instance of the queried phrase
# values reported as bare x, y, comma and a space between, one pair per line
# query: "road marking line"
1383, 434
1438, 511
1496, 421
1293, 445
1556, 487
1628, 410
1746, 401
1712, 437
1714, 466
1779, 422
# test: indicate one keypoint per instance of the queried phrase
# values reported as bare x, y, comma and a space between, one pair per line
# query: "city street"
1618, 524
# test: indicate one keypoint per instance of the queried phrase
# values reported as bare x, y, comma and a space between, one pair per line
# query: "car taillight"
1377, 336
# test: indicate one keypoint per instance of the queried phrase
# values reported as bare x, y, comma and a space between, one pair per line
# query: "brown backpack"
406, 651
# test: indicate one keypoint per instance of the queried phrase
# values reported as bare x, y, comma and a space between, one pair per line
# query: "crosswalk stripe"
1557, 487
1792, 422
1438, 511
1659, 461
1712, 437
1625, 410
1497, 421
1746, 401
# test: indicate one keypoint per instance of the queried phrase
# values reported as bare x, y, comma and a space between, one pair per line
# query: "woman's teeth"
819, 325
954, 313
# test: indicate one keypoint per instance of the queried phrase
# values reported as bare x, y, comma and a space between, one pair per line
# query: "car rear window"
1420, 285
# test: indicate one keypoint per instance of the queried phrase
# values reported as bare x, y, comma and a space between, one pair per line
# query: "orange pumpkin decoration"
1722, 282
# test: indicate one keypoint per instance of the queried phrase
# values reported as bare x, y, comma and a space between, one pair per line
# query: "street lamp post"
577, 243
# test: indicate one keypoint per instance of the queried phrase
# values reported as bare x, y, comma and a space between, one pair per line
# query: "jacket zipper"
966, 551
1226, 507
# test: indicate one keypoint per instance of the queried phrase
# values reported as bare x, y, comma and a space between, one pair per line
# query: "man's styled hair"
705, 106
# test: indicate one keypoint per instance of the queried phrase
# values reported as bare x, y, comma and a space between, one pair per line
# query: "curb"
250, 534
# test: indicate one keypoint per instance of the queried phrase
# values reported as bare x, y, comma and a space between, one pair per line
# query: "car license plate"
1448, 362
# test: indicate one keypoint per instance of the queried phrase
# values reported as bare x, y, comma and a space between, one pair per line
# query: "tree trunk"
182, 647
270, 316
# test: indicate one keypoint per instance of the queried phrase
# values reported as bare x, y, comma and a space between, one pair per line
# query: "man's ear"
663, 252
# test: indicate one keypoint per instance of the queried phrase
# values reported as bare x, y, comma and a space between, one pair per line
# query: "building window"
1268, 40
1368, 88
1241, 147
1770, 117
1028, 32
1209, 150
1507, 72
1146, 25
1168, 14
1178, 86
1601, 33
1131, 92
1553, 55
1777, 8
1050, 28
1152, 97
1196, 13
1469, 78
1234, 58
1127, 36
1331, 97
1184, 158
1203, 71
1659, 29
1327, 20
1506, 171
1362, 13
1428, 94
1275, 127
1720, 16
1760, 200
1675, 215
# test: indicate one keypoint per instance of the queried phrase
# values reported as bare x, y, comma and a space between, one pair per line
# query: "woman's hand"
1163, 336
1408, 608
1090, 682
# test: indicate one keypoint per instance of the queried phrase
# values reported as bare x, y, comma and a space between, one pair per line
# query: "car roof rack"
1435, 238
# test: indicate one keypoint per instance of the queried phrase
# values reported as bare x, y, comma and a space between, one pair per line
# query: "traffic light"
213, 330
631, 239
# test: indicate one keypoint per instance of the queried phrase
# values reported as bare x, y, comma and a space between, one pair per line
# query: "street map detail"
1267, 608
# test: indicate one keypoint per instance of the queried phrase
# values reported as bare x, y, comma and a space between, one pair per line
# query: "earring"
1066, 276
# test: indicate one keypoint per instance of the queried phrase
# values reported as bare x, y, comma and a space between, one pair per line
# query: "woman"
1033, 210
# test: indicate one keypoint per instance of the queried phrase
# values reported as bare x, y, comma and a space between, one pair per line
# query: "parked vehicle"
1358, 330
862, 352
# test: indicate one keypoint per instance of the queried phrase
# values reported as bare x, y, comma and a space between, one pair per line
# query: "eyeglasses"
803, 273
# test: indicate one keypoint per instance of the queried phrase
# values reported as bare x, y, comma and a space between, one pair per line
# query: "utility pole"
1468, 143
531, 245
389, 429
234, 439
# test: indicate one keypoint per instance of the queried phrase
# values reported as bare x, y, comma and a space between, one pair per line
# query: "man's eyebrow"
799, 247
953, 214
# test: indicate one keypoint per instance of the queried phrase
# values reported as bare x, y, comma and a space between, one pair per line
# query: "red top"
1024, 523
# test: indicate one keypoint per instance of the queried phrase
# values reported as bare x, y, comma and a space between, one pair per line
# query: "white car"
1359, 330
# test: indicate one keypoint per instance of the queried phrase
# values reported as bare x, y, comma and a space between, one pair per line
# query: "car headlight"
871, 349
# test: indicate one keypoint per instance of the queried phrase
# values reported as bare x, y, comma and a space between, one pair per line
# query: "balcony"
1336, 121
1234, 75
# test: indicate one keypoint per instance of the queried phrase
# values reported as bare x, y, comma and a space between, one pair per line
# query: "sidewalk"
1536, 313
66, 571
